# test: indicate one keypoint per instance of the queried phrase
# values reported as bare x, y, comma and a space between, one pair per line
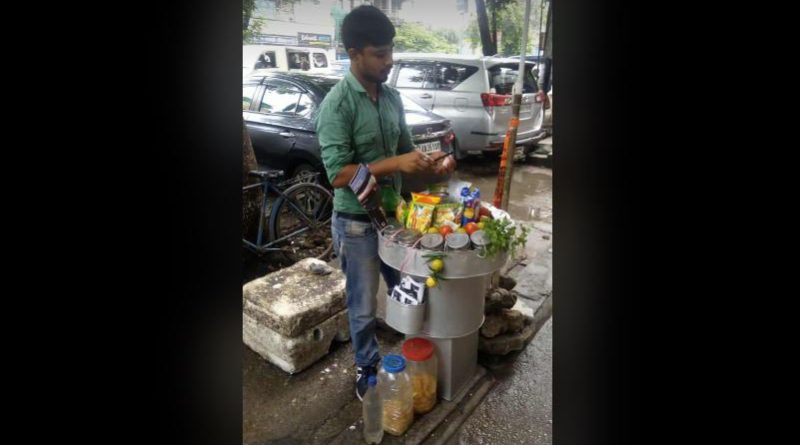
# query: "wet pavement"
311, 407
531, 186
519, 409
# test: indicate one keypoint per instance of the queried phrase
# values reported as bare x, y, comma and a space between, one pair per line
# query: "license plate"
429, 147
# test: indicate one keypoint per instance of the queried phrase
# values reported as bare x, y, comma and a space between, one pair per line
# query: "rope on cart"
409, 254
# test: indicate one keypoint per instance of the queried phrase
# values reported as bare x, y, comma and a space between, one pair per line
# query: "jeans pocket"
337, 243
357, 229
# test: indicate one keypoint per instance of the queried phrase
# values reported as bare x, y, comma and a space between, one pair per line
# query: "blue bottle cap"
394, 363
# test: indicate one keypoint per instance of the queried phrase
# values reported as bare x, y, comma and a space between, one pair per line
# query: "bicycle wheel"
300, 223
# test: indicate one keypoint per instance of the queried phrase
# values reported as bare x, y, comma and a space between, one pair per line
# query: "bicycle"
299, 218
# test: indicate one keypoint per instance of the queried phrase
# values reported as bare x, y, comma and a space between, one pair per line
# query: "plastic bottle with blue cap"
397, 393
373, 413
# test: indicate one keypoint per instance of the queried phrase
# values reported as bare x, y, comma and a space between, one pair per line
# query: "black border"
191, 119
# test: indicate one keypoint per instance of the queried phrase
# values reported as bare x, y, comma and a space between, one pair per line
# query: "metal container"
405, 318
455, 306
391, 231
407, 237
459, 264
391, 228
479, 241
457, 362
457, 241
454, 309
432, 241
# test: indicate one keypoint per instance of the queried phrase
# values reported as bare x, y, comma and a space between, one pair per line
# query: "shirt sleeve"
333, 124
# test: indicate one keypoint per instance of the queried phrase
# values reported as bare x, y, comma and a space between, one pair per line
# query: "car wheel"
306, 173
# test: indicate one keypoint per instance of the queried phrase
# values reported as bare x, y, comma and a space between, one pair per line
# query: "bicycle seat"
267, 174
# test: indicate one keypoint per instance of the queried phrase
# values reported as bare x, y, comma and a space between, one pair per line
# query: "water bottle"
373, 413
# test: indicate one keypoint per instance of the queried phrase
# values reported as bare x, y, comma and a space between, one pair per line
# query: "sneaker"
362, 375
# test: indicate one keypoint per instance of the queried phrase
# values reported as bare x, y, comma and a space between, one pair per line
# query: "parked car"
474, 93
548, 118
279, 110
539, 66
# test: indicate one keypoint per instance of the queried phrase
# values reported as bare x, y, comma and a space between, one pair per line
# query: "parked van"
474, 93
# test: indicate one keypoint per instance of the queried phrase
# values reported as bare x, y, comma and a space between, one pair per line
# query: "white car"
474, 93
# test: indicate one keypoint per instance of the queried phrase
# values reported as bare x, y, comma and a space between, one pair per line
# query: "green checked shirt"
352, 130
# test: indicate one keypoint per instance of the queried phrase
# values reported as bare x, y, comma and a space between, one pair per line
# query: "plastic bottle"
397, 395
373, 413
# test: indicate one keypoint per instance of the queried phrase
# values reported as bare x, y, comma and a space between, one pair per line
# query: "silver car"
474, 93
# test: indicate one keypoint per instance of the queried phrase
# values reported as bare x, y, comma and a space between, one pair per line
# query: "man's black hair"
366, 25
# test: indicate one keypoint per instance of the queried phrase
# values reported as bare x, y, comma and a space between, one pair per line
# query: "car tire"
305, 170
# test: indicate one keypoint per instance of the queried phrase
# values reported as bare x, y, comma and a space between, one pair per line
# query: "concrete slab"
293, 300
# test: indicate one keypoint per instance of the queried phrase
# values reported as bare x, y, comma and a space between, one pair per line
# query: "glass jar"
422, 367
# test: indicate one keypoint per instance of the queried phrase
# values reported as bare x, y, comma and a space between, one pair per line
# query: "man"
361, 121
263, 62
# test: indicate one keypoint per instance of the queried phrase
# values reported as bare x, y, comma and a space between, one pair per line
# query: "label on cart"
413, 287
401, 296
409, 291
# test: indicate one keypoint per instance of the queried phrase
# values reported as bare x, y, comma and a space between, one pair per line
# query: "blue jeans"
356, 244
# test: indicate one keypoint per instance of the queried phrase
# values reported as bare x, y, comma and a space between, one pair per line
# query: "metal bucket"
405, 318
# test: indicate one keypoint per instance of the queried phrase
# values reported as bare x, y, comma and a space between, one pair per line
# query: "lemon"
437, 265
430, 282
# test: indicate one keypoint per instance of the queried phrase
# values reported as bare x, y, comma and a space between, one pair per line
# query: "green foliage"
412, 37
503, 237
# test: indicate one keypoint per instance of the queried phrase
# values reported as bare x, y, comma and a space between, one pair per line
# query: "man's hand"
444, 165
414, 162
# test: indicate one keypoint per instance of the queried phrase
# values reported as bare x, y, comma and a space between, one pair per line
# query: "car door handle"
287, 134
426, 96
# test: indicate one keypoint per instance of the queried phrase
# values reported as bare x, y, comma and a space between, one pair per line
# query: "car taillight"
450, 137
495, 100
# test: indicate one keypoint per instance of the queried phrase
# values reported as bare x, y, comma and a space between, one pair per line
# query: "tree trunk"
494, 31
247, 6
548, 50
487, 44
